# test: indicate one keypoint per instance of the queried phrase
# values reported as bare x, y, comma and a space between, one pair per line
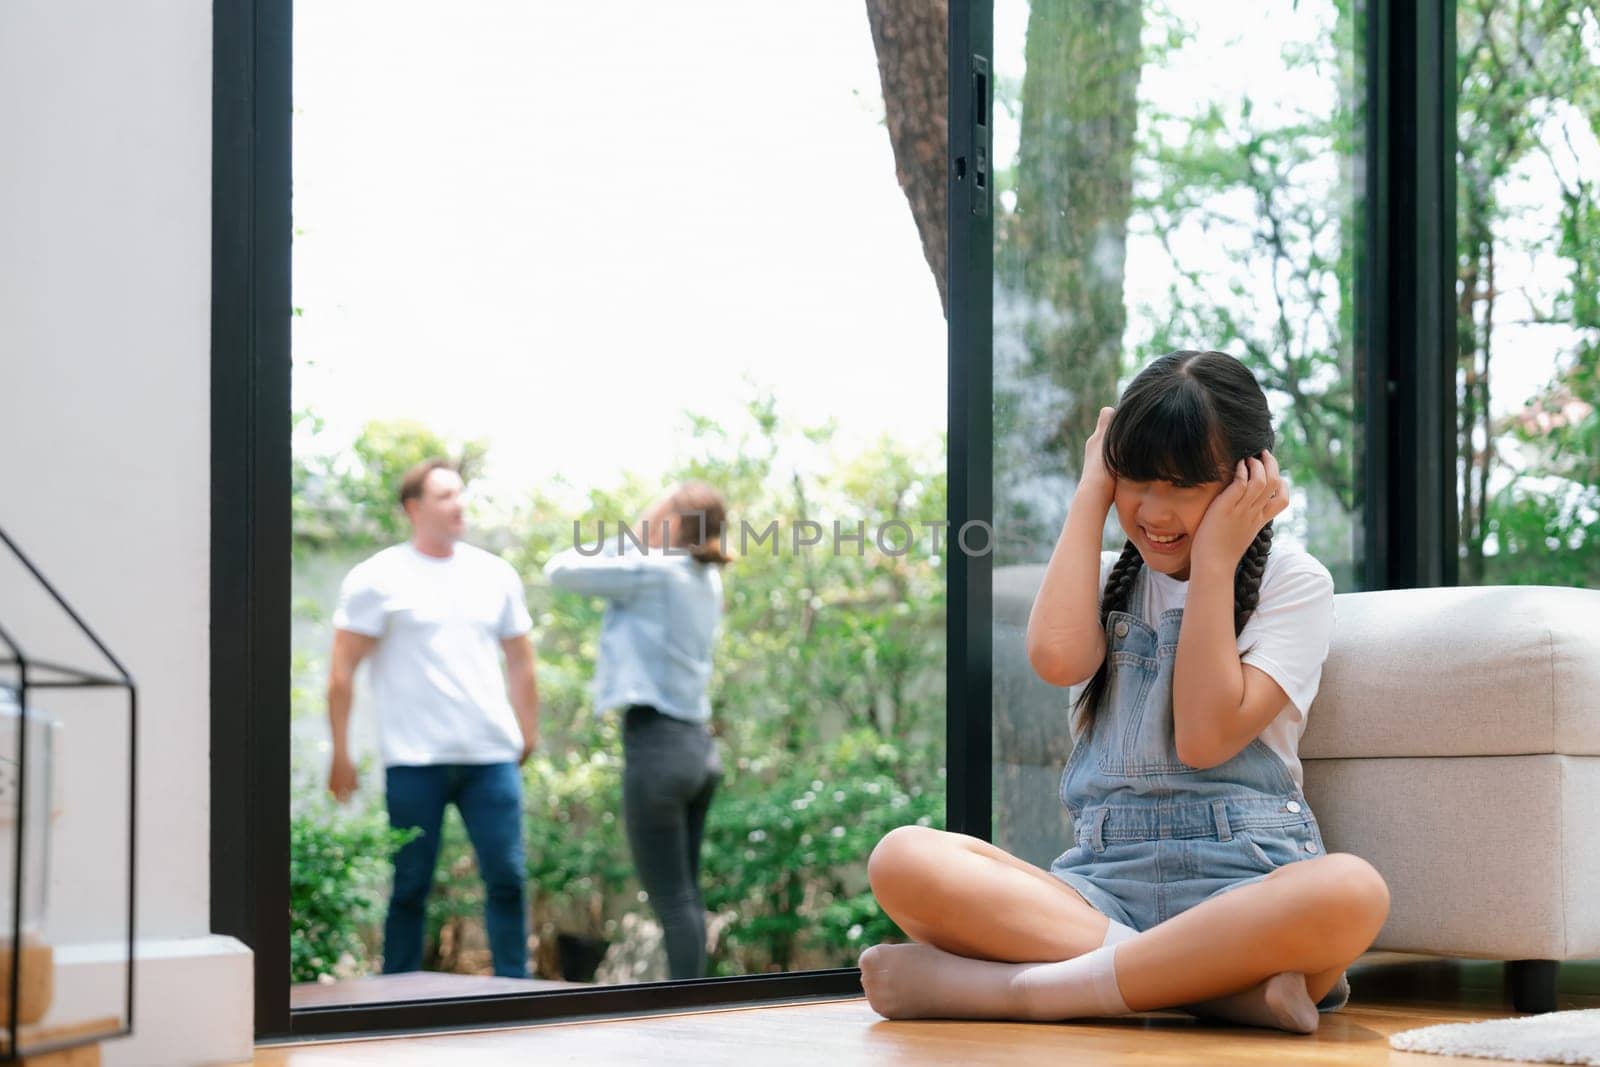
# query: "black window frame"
1408, 484
1408, 333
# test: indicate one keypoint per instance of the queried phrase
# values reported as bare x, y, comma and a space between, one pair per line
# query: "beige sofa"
1455, 744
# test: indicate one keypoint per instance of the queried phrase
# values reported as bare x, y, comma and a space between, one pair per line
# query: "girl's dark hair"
1187, 418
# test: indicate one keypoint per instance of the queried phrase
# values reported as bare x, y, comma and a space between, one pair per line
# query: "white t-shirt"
436, 673
1286, 636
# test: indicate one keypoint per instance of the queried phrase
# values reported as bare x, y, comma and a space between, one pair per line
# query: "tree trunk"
910, 38
1066, 244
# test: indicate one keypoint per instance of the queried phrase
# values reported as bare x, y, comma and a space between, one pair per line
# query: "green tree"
1062, 209
1525, 69
1264, 188
1063, 247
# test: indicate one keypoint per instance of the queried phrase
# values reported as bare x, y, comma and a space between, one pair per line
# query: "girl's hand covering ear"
1096, 478
1257, 495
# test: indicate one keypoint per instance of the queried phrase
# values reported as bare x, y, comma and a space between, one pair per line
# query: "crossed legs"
966, 898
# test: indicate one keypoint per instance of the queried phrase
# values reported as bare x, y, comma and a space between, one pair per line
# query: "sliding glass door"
589, 258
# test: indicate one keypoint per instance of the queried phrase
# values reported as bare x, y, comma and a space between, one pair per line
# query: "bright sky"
556, 226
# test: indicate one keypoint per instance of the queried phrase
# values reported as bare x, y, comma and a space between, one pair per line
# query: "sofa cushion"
1465, 671
1489, 856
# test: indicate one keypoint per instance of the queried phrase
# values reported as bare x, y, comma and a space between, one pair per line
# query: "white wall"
105, 215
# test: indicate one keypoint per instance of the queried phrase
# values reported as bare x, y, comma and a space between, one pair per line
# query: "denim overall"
1154, 836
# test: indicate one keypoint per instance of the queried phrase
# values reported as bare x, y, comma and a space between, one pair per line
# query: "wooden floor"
1391, 994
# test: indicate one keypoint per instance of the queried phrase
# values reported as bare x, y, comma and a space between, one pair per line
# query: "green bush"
788, 857
784, 858
580, 874
338, 869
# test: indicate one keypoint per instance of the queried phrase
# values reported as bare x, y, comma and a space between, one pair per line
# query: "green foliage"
1269, 187
580, 876
1545, 539
1277, 189
831, 668
1259, 183
786, 853
1530, 485
338, 872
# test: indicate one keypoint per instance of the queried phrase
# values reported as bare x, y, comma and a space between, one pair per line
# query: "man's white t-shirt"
1286, 637
436, 674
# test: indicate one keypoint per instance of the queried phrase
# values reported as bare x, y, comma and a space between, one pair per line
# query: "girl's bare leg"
967, 903
1314, 917
967, 897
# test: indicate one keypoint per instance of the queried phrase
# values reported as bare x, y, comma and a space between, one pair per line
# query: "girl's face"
1161, 519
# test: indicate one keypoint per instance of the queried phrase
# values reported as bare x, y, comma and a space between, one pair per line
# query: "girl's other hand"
1257, 495
1097, 480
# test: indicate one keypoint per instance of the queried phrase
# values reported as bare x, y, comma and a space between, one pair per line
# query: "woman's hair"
1188, 418
702, 514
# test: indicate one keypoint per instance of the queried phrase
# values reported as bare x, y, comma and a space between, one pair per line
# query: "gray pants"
670, 770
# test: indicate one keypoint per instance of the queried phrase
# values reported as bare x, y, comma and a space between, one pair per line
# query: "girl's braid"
1247, 578
1119, 584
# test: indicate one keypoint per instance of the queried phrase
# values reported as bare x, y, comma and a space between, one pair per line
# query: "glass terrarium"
28, 802
67, 720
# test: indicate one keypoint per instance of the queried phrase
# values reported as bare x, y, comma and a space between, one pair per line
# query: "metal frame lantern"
28, 769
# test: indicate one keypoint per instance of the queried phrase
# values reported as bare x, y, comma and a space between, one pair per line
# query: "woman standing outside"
663, 614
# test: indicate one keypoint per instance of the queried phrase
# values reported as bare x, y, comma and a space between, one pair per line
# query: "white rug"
1558, 1037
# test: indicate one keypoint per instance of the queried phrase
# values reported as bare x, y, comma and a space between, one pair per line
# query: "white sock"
1072, 989
1116, 933
919, 981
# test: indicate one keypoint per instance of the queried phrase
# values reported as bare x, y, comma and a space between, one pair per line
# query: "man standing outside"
427, 615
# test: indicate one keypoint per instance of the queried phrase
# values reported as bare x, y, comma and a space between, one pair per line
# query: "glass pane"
1184, 175
595, 251
1528, 291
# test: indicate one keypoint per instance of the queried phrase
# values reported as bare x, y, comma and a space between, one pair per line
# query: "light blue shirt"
663, 613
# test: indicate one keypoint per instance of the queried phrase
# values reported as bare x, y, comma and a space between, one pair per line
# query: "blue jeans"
489, 798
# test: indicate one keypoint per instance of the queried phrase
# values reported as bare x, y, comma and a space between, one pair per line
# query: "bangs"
1166, 436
